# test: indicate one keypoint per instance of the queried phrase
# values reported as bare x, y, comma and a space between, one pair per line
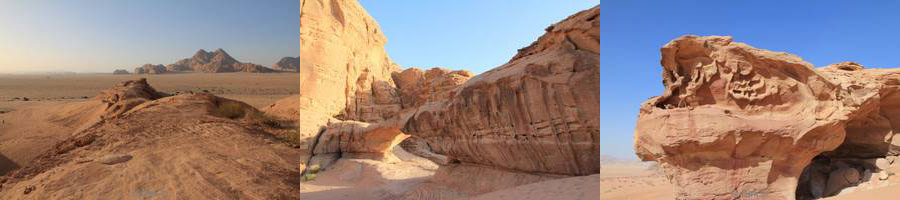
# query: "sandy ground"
632, 180
368, 179
256, 89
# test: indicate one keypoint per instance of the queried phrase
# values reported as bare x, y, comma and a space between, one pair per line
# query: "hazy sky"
101, 35
631, 33
476, 35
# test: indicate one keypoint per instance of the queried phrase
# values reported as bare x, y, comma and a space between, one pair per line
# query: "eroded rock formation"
740, 122
533, 119
539, 113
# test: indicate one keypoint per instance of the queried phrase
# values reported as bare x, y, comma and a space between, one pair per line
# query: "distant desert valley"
340, 120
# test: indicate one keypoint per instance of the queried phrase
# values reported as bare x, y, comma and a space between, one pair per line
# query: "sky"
821, 32
474, 35
102, 35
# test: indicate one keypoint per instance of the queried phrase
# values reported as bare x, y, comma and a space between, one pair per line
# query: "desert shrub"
229, 110
261, 118
314, 169
309, 177
293, 138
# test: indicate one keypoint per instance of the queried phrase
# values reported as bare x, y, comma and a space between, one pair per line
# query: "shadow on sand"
6, 165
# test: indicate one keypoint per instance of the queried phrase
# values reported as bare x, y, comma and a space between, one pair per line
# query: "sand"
61, 104
256, 89
633, 180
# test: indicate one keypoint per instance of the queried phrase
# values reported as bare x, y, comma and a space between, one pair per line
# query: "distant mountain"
288, 64
150, 69
213, 62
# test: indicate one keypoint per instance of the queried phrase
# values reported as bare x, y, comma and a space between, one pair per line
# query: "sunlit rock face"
740, 122
539, 113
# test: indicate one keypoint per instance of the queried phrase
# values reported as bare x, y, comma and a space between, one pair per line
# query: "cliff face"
345, 73
539, 113
739, 122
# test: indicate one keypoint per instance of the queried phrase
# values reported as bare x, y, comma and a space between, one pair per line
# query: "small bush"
314, 169
292, 138
261, 118
309, 177
229, 110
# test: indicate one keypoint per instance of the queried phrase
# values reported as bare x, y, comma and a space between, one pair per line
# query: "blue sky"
475, 35
631, 33
101, 35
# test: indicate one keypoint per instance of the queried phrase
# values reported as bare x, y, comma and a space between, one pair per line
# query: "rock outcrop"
214, 62
288, 64
740, 122
539, 113
151, 69
121, 71
151, 145
345, 73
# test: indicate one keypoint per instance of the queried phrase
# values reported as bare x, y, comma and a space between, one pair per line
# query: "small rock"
883, 175
867, 175
882, 163
29, 189
83, 160
840, 179
114, 159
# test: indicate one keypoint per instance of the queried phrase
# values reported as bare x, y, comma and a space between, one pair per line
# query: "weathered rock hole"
828, 175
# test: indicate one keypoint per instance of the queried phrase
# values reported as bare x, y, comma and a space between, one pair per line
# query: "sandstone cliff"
345, 73
740, 122
537, 114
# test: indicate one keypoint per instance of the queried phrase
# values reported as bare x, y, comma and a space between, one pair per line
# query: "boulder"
882, 163
840, 179
112, 159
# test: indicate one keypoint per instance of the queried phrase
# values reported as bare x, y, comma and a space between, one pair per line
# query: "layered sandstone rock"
415, 87
539, 113
739, 122
345, 73
127, 95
